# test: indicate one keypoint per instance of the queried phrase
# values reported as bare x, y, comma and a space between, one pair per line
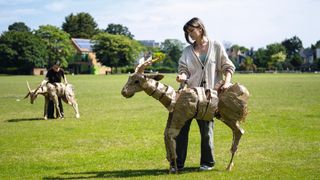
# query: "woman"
55, 75
202, 64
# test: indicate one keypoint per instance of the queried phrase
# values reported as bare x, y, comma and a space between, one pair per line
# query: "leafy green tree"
173, 50
159, 55
276, 60
19, 26
59, 46
21, 51
81, 25
317, 45
293, 47
116, 50
275, 48
296, 60
248, 64
275, 53
237, 48
260, 58
119, 29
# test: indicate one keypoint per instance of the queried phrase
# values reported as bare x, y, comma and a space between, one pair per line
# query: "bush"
126, 70
260, 70
14, 71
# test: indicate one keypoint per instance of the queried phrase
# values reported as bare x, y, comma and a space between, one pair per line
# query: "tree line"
287, 55
22, 49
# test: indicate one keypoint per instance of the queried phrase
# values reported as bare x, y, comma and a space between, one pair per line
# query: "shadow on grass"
119, 173
24, 119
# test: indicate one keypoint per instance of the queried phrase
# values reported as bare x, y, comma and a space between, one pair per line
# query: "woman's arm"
183, 68
65, 79
227, 67
227, 80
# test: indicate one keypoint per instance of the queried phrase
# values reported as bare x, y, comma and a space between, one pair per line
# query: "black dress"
54, 77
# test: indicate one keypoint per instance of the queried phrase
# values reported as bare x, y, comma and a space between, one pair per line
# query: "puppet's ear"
27, 95
156, 77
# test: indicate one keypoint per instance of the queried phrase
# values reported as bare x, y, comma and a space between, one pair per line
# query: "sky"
249, 23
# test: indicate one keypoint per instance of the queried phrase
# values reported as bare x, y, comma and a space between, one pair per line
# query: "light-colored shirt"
202, 57
206, 73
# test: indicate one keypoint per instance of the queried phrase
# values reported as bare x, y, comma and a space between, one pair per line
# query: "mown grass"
123, 138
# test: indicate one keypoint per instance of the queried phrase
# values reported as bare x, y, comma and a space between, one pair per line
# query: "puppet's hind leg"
237, 132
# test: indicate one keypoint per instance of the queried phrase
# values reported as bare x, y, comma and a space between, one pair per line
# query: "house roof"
83, 45
307, 52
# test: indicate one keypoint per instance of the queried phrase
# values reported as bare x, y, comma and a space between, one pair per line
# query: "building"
318, 53
150, 43
39, 71
307, 56
85, 61
309, 59
236, 55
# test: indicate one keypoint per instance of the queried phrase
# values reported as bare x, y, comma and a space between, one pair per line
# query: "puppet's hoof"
77, 116
45, 118
230, 166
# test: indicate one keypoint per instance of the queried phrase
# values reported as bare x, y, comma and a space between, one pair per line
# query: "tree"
248, 64
260, 58
276, 54
58, 44
21, 52
119, 29
116, 50
81, 25
19, 26
237, 48
159, 55
173, 50
293, 47
274, 49
276, 60
317, 45
296, 60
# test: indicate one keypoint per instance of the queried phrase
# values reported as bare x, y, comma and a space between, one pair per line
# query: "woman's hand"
181, 78
225, 86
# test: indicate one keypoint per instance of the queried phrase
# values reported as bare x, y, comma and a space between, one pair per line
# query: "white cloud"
15, 2
10, 16
246, 22
56, 6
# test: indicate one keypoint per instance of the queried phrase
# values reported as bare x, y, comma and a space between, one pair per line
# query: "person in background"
203, 64
54, 75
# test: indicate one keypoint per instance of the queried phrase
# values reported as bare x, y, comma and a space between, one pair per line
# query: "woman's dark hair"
195, 23
57, 63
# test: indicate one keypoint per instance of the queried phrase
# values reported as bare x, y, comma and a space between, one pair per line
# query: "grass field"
123, 138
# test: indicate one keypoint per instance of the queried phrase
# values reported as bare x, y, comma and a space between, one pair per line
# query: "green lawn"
123, 138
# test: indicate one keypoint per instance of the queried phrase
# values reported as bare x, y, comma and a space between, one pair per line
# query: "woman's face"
194, 33
56, 68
